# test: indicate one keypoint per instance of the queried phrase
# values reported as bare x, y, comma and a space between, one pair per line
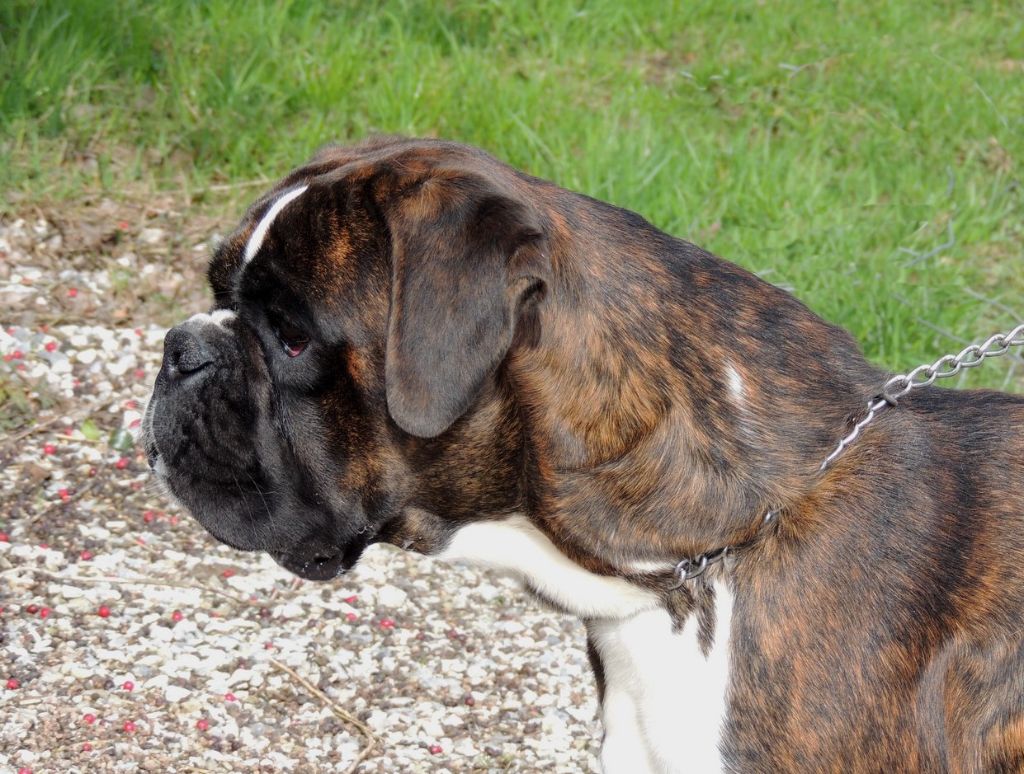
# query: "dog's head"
343, 388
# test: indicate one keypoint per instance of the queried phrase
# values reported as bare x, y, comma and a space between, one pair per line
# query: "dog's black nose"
185, 353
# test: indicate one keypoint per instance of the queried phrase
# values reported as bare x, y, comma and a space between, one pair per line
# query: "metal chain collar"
894, 389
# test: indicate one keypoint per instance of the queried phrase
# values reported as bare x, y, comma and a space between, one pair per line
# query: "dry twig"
341, 714
161, 582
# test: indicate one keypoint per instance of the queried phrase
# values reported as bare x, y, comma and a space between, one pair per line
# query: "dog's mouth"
322, 563
321, 566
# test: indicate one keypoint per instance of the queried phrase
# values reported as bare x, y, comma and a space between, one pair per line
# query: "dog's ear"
466, 255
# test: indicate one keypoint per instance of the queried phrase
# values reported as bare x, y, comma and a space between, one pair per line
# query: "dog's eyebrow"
260, 232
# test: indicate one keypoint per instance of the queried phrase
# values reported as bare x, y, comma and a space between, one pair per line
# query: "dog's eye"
292, 339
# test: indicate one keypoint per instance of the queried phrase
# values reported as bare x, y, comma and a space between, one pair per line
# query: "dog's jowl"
414, 343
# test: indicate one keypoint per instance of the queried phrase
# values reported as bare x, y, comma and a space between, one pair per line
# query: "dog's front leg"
662, 696
623, 750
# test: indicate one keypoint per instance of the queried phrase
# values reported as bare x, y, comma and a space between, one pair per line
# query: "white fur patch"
515, 546
665, 701
260, 232
218, 317
222, 316
624, 749
160, 468
643, 566
735, 383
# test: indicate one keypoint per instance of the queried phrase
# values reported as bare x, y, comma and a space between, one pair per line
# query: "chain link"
948, 365
894, 389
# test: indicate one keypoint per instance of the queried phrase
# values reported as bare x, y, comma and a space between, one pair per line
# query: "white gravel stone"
391, 596
175, 693
151, 236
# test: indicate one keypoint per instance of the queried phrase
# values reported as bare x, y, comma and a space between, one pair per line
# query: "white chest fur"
513, 545
664, 700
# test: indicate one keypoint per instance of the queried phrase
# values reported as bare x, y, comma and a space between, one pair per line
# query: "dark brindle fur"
484, 342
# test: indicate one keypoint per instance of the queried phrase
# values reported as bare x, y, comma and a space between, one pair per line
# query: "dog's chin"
322, 564
320, 567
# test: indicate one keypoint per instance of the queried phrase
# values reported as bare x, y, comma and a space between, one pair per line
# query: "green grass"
816, 143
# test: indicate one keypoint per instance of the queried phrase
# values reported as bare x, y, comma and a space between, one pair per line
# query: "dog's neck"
657, 464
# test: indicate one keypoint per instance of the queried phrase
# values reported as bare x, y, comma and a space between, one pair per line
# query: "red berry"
123, 225
230, 697
17, 354
134, 423
122, 463
50, 346
128, 685
468, 700
86, 747
352, 600
268, 646
148, 516
103, 612
89, 718
435, 749
72, 292
387, 623
13, 683
24, 770
31, 609
49, 448
350, 617
173, 520
176, 616
129, 727
227, 573
139, 373
86, 555
63, 494
4, 537
138, 332
202, 724
44, 612
8, 358
44, 546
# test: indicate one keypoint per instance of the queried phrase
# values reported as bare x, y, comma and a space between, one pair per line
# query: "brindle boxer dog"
414, 343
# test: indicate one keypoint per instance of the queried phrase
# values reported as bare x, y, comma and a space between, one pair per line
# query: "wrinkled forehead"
320, 233
297, 235
307, 253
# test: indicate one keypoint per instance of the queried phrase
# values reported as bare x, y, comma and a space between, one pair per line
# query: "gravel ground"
131, 641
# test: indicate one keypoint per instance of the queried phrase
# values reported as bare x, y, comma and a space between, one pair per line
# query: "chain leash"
946, 366
924, 375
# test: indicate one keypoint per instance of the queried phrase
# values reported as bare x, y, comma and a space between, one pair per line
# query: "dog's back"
890, 631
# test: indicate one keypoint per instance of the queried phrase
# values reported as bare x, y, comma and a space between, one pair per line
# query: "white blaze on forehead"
260, 232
